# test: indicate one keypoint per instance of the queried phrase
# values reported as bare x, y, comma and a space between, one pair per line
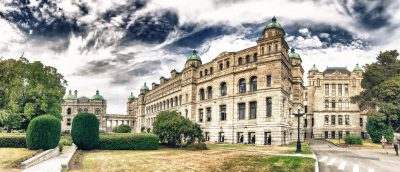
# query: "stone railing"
67, 160
41, 157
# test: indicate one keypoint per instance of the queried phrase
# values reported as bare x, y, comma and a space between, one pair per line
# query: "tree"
36, 89
173, 129
85, 131
377, 128
9, 118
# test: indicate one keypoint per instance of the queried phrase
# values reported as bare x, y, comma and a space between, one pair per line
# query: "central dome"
194, 56
274, 24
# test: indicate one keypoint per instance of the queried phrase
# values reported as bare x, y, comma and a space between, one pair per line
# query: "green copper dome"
131, 97
97, 96
314, 68
194, 56
69, 96
274, 24
144, 87
357, 68
293, 54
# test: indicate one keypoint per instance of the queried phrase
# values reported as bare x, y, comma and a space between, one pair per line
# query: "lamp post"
298, 115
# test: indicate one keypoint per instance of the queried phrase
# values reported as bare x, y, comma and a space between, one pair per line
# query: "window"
269, 48
312, 122
227, 64
200, 115
326, 104
340, 104
326, 134
333, 134
253, 83
340, 134
347, 119
205, 72
255, 57
201, 73
69, 121
347, 133
221, 66
340, 120
242, 110
223, 89
186, 113
361, 122
253, 110
333, 89
69, 111
276, 47
326, 120
240, 137
221, 137
207, 136
85, 110
209, 92
305, 96
222, 111
326, 89
305, 109
339, 89
269, 106
247, 59
262, 51
333, 120
346, 89
269, 80
252, 138
242, 85
240, 61
97, 111
346, 104
267, 138
211, 70
201, 94
305, 122
333, 104
208, 114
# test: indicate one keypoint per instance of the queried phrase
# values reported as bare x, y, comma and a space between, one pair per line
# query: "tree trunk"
9, 129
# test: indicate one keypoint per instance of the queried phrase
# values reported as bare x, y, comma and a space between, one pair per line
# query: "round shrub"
123, 129
377, 128
43, 132
85, 131
353, 140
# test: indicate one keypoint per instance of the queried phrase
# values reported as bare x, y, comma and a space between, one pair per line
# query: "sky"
117, 45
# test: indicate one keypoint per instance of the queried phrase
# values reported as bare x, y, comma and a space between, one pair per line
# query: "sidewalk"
53, 164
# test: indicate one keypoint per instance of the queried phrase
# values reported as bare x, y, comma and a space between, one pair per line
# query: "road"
335, 159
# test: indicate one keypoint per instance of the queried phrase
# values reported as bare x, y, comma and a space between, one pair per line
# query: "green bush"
376, 128
13, 141
198, 146
43, 132
140, 141
85, 131
123, 129
353, 140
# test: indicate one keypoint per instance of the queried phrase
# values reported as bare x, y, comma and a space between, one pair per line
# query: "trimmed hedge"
43, 132
85, 131
12, 141
353, 140
123, 129
142, 141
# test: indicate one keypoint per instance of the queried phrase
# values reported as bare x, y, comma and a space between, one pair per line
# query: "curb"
41, 157
65, 164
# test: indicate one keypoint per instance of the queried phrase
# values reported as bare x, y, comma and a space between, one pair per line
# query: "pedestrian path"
52, 164
343, 165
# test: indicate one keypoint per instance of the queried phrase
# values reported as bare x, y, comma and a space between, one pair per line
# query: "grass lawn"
305, 149
11, 157
366, 143
271, 149
167, 159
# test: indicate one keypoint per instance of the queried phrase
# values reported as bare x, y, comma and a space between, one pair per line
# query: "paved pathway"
52, 164
334, 159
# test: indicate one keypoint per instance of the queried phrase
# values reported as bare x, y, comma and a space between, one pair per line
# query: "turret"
193, 60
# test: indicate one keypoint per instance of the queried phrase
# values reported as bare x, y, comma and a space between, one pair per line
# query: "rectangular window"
221, 137
305, 96
207, 136
312, 122
340, 134
252, 138
339, 89
222, 110
333, 120
347, 120
305, 122
361, 122
68, 121
269, 81
326, 134
269, 106
340, 120
333, 134
305, 109
346, 89
242, 110
240, 137
208, 114
347, 133
326, 89
333, 89
326, 120
200, 115
267, 138
253, 110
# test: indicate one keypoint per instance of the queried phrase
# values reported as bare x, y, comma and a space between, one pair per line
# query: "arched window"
333, 104
205, 72
347, 104
209, 92
172, 102
247, 59
227, 64
211, 70
69, 111
276, 47
262, 50
85, 110
253, 83
221, 66
340, 104
255, 57
97, 111
201, 94
326, 104
201, 73
176, 101
167, 103
223, 89
242, 85
240, 61
79, 110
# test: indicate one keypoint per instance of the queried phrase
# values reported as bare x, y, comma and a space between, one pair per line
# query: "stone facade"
330, 112
238, 97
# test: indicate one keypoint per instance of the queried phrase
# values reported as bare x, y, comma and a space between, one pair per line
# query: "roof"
97, 96
131, 97
194, 56
144, 87
274, 24
293, 54
330, 70
358, 68
69, 96
314, 68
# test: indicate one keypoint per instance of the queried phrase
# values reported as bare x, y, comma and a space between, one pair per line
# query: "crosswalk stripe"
323, 159
371, 170
342, 165
356, 168
332, 161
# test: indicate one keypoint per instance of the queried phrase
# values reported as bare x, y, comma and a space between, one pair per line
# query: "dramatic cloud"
116, 46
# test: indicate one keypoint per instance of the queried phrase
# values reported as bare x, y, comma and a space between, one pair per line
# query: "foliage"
198, 146
129, 141
13, 141
173, 129
377, 128
353, 140
85, 131
9, 119
35, 89
123, 129
43, 132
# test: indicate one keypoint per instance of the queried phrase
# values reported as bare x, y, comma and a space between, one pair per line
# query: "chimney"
76, 94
